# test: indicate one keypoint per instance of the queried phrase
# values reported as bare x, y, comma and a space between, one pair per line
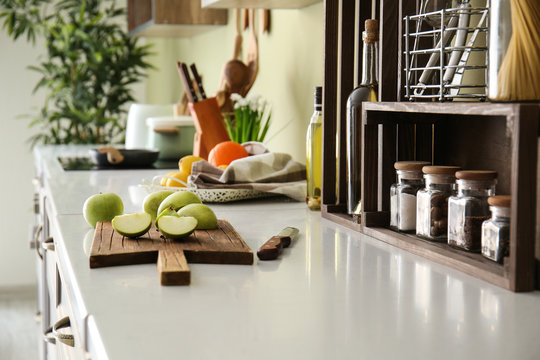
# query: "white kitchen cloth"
271, 172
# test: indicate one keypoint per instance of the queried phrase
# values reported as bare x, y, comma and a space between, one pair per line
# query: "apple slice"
176, 227
132, 225
166, 212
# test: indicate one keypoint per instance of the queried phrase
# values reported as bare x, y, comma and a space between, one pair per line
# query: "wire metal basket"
437, 60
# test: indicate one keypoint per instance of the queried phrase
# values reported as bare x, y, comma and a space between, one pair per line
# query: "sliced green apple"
132, 225
176, 227
166, 212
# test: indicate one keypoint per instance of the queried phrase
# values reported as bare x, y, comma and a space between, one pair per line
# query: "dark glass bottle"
366, 91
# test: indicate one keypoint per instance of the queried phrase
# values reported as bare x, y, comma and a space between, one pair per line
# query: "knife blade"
271, 249
198, 80
186, 80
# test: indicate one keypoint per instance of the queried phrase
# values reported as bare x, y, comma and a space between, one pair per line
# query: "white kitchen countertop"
334, 294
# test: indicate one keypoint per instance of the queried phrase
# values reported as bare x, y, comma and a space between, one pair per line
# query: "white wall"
290, 66
17, 261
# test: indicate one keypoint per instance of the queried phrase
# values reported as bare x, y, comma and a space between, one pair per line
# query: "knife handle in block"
272, 248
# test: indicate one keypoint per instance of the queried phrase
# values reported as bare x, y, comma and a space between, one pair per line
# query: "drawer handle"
67, 339
36, 241
48, 244
48, 336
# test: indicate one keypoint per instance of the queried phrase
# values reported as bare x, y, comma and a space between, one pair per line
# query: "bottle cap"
476, 175
440, 170
318, 95
371, 32
410, 165
500, 200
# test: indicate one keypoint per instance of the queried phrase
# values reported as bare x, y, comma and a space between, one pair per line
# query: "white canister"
136, 129
172, 135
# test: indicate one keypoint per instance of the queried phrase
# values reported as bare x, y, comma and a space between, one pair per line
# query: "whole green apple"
102, 207
178, 199
206, 218
152, 201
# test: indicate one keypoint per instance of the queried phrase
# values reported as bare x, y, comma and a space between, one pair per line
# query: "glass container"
469, 208
314, 154
432, 202
366, 91
403, 195
496, 231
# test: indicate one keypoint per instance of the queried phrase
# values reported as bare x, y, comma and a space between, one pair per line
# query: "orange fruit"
184, 164
180, 175
226, 152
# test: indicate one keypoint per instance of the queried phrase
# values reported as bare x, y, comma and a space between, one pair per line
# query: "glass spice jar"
469, 208
496, 231
432, 202
403, 195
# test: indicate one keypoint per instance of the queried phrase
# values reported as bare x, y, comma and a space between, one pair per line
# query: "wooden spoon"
237, 76
252, 53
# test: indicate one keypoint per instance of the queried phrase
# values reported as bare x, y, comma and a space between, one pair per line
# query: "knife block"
209, 126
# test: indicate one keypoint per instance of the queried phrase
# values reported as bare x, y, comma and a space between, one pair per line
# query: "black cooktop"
85, 163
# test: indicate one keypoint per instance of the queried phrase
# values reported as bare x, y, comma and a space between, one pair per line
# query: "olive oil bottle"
314, 154
366, 91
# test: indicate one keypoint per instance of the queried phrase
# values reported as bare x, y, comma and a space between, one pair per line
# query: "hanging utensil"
252, 53
264, 23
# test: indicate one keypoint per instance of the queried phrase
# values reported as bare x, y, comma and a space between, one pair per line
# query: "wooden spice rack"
494, 136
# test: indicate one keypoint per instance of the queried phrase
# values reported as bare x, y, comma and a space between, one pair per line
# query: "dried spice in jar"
496, 230
403, 194
469, 208
432, 202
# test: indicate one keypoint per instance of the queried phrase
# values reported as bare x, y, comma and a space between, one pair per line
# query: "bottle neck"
370, 63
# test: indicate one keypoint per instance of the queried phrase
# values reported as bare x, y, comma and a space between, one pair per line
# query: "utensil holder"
430, 72
209, 126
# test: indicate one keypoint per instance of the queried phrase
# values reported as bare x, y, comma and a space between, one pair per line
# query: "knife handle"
186, 80
272, 248
198, 80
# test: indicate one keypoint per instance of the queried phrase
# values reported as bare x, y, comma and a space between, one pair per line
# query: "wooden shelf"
258, 4
172, 18
496, 136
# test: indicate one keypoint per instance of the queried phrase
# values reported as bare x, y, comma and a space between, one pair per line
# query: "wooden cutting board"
220, 246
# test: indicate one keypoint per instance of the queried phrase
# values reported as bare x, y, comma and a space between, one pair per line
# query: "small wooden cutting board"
220, 246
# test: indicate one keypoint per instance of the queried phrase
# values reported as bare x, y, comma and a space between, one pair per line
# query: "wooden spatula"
252, 53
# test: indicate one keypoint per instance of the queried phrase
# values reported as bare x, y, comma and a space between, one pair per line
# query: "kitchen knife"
198, 80
186, 80
272, 248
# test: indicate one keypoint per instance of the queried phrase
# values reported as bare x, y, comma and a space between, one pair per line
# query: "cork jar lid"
410, 165
500, 200
440, 170
476, 175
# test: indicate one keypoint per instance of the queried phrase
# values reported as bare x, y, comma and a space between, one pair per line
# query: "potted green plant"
250, 119
89, 67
